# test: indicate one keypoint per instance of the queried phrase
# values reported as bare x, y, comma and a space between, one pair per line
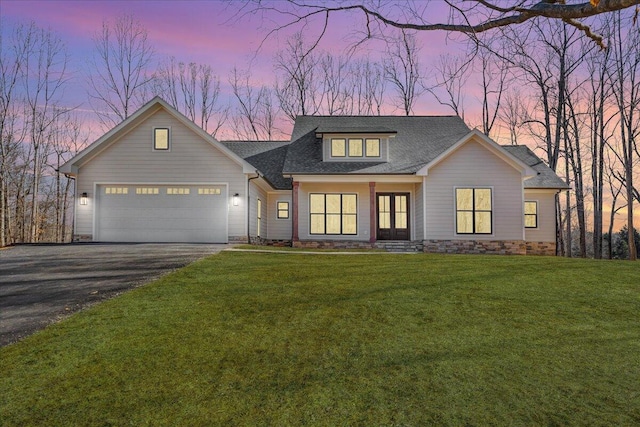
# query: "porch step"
400, 246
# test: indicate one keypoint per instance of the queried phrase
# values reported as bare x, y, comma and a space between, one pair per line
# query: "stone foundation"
82, 238
541, 248
237, 239
332, 244
493, 247
270, 242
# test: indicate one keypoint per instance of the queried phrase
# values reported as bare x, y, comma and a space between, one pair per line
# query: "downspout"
292, 208
249, 205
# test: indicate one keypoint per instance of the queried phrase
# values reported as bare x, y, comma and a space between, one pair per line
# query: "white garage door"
162, 213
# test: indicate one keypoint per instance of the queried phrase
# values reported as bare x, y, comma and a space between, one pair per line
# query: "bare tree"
194, 90
45, 75
254, 117
366, 87
403, 71
452, 75
472, 17
13, 53
119, 69
599, 90
297, 80
625, 74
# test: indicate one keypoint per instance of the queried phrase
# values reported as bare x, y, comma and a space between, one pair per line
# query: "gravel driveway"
39, 284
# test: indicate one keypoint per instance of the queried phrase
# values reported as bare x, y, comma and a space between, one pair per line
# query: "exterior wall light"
84, 198
236, 198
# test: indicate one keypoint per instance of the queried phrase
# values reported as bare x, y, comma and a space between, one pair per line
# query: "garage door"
162, 213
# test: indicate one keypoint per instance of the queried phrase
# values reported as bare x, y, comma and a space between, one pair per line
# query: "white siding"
362, 191
418, 212
279, 229
546, 231
132, 160
255, 193
473, 165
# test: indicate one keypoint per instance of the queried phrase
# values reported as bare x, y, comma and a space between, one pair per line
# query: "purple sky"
207, 32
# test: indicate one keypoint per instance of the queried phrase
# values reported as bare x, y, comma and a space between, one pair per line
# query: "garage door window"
116, 190
147, 190
178, 191
209, 191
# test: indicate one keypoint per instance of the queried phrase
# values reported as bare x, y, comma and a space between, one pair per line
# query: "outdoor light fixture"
84, 198
235, 199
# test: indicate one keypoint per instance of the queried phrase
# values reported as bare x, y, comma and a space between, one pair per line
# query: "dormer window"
355, 147
373, 147
338, 147
161, 139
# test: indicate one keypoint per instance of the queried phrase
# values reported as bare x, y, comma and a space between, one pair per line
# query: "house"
341, 181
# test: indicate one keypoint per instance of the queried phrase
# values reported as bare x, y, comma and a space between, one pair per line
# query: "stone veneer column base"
494, 247
541, 248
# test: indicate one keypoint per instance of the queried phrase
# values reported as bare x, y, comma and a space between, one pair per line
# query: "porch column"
372, 212
294, 197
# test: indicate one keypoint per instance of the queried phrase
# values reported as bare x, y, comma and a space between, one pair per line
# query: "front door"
393, 216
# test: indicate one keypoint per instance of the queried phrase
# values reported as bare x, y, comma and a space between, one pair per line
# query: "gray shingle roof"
266, 156
546, 177
419, 140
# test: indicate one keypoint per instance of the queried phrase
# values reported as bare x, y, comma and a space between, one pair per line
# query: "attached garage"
162, 213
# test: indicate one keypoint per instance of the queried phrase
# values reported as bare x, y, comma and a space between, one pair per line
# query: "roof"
545, 178
143, 113
419, 140
267, 157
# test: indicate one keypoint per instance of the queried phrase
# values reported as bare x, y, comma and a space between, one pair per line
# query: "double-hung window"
283, 210
333, 214
531, 214
474, 211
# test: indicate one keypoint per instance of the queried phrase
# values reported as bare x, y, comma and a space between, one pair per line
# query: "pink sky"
208, 32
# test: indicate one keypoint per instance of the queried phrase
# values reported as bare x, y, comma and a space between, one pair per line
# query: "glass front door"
393, 216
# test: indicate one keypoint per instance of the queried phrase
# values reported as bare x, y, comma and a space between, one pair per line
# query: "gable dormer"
355, 145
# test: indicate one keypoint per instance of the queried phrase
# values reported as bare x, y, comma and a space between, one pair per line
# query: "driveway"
40, 284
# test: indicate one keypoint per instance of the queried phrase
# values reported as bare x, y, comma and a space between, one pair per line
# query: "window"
259, 217
338, 147
372, 147
147, 190
161, 139
355, 147
283, 210
333, 214
473, 211
178, 191
116, 190
531, 214
209, 191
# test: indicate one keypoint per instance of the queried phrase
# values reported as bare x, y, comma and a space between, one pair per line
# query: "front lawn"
298, 339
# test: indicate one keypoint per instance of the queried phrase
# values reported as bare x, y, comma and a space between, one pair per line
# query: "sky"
206, 32
209, 32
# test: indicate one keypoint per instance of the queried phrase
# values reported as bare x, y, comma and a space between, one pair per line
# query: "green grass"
286, 339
